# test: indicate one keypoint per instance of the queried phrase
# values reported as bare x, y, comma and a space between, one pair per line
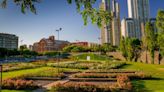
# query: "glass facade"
8, 41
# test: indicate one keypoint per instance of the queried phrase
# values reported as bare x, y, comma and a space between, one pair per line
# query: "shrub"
76, 65
111, 71
93, 75
18, 84
110, 65
20, 66
84, 87
124, 82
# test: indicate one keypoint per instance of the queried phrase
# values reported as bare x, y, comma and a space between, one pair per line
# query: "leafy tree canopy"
160, 26
160, 20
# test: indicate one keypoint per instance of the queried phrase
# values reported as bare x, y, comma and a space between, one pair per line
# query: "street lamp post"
58, 57
99, 38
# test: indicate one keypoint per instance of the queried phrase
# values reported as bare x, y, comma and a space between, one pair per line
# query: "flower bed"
110, 65
48, 72
43, 78
18, 84
20, 66
76, 65
124, 82
111, 71
93, 75
136, 75
84, 87
94, 79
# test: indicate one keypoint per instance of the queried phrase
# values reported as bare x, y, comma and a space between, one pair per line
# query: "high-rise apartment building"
111, 33
115, 24
138, 10
105, 29
128, 27
8, 41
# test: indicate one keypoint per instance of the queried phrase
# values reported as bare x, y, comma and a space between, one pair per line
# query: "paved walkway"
62, 81
56, 82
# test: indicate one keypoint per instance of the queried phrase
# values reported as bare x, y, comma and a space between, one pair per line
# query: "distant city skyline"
53, 14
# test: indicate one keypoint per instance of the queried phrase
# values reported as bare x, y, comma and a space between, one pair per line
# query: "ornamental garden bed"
83, 87
21, 66
122, 84
94, 79
43, 78
19, 84
111, 71
109, 65
136, 75
76, 65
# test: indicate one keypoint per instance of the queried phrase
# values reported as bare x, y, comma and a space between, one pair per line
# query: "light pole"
58, 57
99, 38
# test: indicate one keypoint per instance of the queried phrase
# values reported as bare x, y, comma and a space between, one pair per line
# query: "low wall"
144, 55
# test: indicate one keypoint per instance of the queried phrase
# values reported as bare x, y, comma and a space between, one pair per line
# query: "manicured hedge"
18, 84
76, 65
111, 71
110, 65
136, 75
84, 87
124, 82
21, 66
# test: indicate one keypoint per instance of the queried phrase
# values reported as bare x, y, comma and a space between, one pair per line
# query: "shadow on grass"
138, 86
124, 66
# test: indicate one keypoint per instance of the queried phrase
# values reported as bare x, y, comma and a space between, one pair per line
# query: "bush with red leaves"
124, 82
18, 84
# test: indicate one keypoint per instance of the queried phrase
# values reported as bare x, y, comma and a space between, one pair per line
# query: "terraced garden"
83, 76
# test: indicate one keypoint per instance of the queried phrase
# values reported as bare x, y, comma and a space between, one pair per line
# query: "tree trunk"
146, 55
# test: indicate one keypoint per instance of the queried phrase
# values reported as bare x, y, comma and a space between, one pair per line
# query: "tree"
24, 4
73, 48
84, 7
23, 47
130, 48
133, 48
123, 47
160, 26
150, 38
97, 16
108, 47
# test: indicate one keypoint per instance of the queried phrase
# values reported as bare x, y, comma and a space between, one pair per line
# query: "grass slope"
15, 91
154, 85
11, 74
93, 57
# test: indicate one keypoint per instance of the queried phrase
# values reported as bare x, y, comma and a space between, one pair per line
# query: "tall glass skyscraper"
111, 33
105, 29
138, 10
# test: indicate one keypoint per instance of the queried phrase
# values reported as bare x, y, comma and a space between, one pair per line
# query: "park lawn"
93, 57
12, 74
16, 91
153, 85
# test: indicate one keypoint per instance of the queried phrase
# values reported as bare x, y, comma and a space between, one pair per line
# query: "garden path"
62, 81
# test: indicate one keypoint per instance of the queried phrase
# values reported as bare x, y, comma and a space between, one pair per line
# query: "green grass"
153, 85
36, 71
12, 74
16, 91
93, 57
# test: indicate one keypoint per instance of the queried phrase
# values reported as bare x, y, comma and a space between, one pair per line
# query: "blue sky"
53, 14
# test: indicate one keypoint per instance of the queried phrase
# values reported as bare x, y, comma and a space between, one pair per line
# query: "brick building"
49, 44
84, 44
